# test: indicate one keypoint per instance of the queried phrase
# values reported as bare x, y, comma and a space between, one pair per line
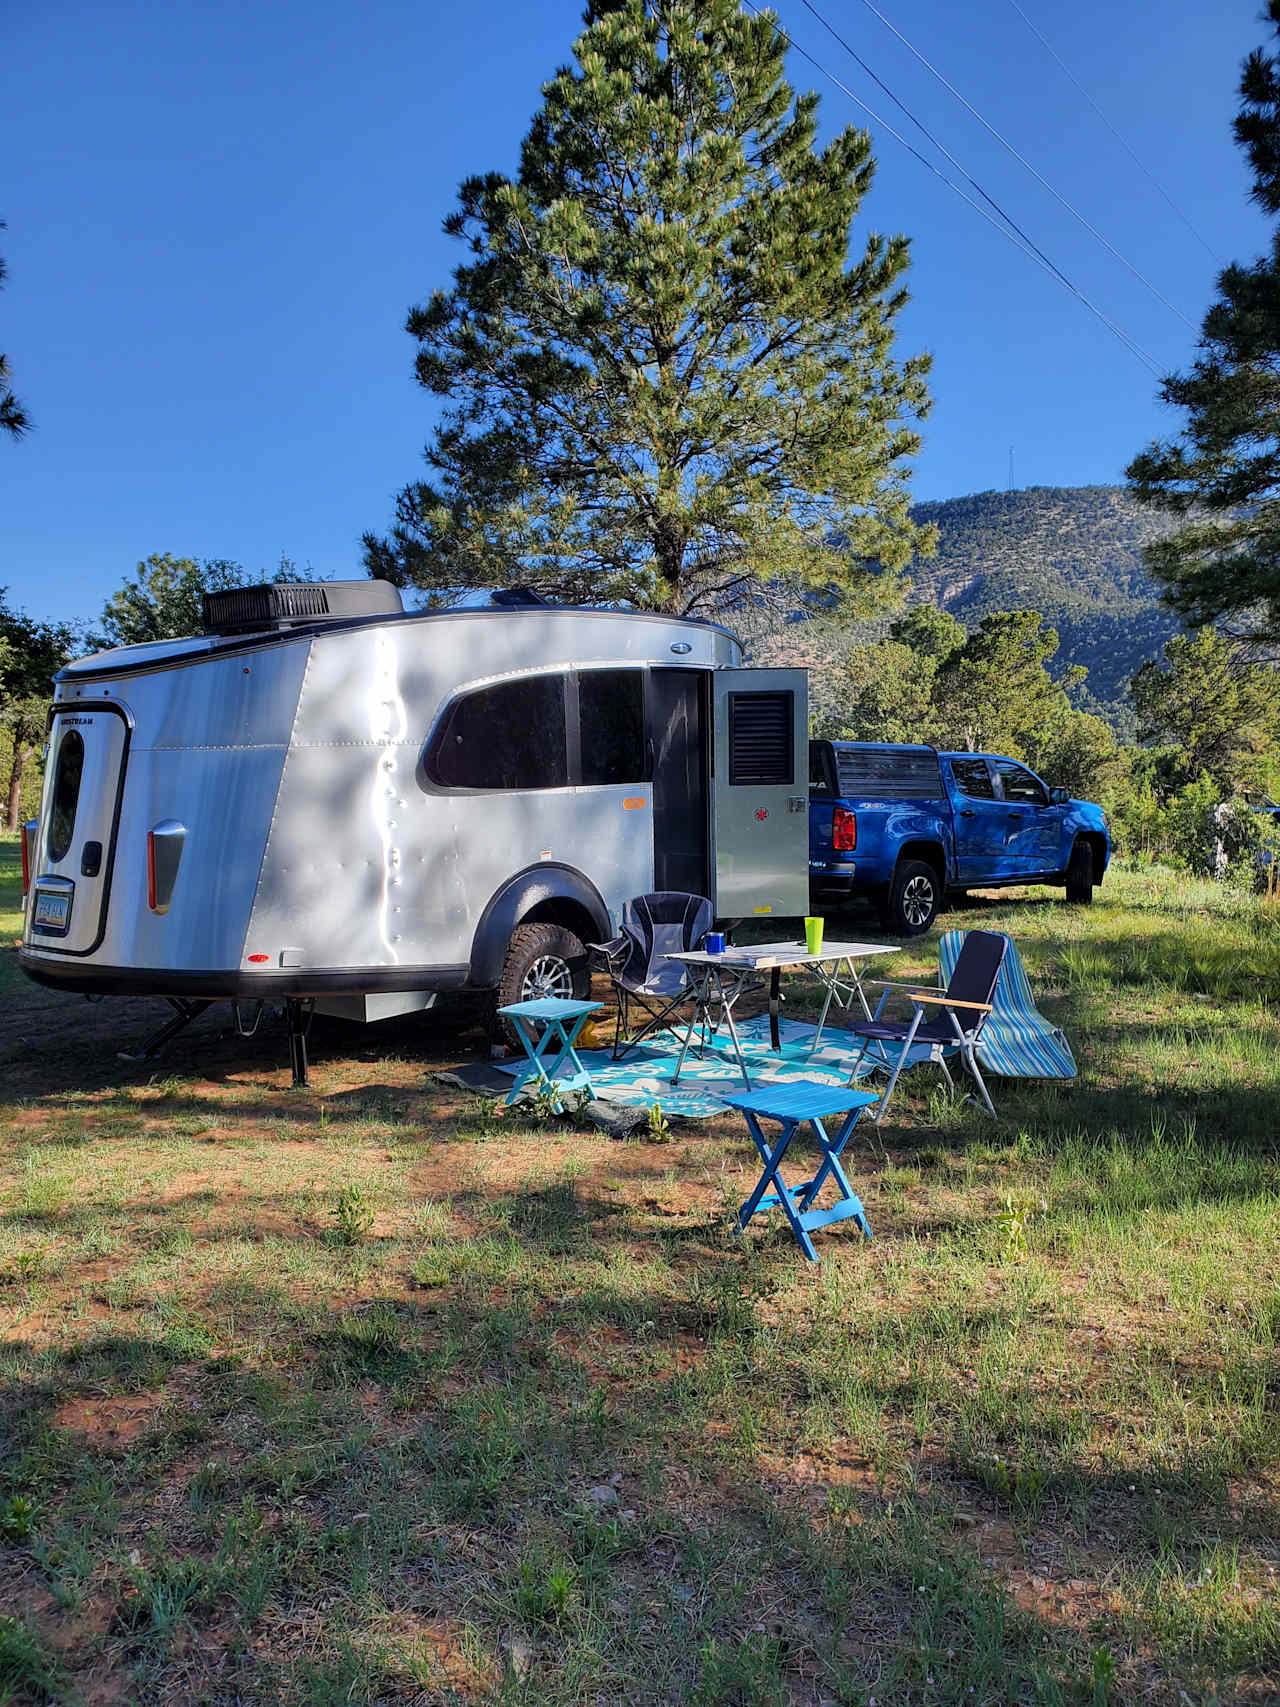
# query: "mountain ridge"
1073, 553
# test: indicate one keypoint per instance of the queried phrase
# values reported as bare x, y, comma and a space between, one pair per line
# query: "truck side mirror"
1058, 797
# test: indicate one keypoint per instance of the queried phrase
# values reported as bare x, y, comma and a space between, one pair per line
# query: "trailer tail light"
164, 855
30, 830
844, 830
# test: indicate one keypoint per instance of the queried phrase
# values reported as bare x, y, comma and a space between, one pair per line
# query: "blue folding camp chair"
1017, 1042
956, 1017
653, 926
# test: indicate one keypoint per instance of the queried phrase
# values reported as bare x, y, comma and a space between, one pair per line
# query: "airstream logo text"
77, 722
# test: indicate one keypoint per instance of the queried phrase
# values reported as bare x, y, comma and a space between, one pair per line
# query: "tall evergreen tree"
14, 419
664, 379
1224, 471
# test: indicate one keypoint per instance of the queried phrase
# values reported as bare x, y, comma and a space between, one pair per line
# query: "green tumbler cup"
813, 935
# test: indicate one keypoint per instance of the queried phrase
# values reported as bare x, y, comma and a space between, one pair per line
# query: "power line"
1010, 230
1120, 138
1021, 238
1023, 161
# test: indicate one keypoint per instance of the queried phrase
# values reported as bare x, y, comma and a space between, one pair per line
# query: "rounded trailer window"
66, 794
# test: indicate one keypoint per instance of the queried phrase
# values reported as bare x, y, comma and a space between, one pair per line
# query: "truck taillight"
844, 830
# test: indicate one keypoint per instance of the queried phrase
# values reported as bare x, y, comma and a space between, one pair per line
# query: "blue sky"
219, 214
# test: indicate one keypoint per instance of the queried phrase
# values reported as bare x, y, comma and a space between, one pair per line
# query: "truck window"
1019, 784
973, 778
611, 725
818, 783
510, 735
66, 794
889, 773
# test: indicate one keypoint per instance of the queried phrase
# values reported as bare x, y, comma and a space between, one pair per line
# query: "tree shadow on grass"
436, 1465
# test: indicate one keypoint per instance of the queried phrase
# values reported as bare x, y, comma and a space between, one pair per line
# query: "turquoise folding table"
803, 1101
541, 1024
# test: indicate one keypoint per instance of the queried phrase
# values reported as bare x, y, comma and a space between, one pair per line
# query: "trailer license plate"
53, 910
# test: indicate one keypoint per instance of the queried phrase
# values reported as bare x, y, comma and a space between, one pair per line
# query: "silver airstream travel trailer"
325, 799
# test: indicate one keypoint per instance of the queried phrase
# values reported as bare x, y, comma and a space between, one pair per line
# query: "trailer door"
760, 813
67, 907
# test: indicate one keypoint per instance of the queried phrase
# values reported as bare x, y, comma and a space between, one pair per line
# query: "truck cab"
905, 825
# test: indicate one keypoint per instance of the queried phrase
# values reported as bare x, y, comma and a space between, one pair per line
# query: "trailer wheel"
1080, 874
542, 960
913, 898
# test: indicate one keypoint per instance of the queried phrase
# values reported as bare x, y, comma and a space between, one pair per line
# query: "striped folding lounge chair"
1017, 1042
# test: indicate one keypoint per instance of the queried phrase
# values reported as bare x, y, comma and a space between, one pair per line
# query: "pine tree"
1224, 471
14, 419
1215, 710
665, 380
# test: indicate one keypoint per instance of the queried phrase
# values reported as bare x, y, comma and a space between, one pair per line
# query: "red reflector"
151, 870
259, 959
844, 830
26, 861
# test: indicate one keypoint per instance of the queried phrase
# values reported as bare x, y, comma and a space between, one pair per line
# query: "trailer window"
511, 735
66, 793
611, 725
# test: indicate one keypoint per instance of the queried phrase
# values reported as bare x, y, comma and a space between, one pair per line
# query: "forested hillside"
1072, 553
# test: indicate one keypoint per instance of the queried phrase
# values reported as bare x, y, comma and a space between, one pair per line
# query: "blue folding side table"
792, 1105
541, 1023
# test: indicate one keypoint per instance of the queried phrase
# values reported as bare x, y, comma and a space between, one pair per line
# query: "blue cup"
713, 942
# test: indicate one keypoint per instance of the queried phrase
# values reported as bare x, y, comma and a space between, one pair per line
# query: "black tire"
1080, 874
542, 960
913, 900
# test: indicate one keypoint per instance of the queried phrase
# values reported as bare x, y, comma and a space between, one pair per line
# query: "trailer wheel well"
560, 910
544, 894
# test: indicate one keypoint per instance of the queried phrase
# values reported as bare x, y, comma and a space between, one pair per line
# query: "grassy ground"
366, 1394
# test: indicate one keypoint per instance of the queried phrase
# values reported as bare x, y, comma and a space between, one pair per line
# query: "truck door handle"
967, 812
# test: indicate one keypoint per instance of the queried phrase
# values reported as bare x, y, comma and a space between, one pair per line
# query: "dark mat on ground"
476, 1076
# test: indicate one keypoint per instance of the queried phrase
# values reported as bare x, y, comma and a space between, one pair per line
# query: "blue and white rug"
643, 1077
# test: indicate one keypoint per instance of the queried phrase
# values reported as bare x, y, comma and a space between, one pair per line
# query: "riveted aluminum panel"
313, 834
368, 864
761, 855
206, 748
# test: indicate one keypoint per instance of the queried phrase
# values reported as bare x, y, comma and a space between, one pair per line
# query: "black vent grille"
242, 610
888, 773
761, 743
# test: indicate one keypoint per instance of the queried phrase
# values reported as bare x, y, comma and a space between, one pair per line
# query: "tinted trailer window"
511, 735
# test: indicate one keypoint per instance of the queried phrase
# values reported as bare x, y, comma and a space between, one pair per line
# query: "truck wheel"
1080, 874
913, 899
542, 960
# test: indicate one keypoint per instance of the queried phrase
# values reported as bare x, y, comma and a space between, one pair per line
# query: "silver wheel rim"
548, 976
917, 901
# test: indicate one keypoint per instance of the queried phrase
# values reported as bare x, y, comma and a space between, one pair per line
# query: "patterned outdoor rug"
644, 1076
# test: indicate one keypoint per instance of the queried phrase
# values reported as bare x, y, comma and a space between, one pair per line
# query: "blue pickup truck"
905, 826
